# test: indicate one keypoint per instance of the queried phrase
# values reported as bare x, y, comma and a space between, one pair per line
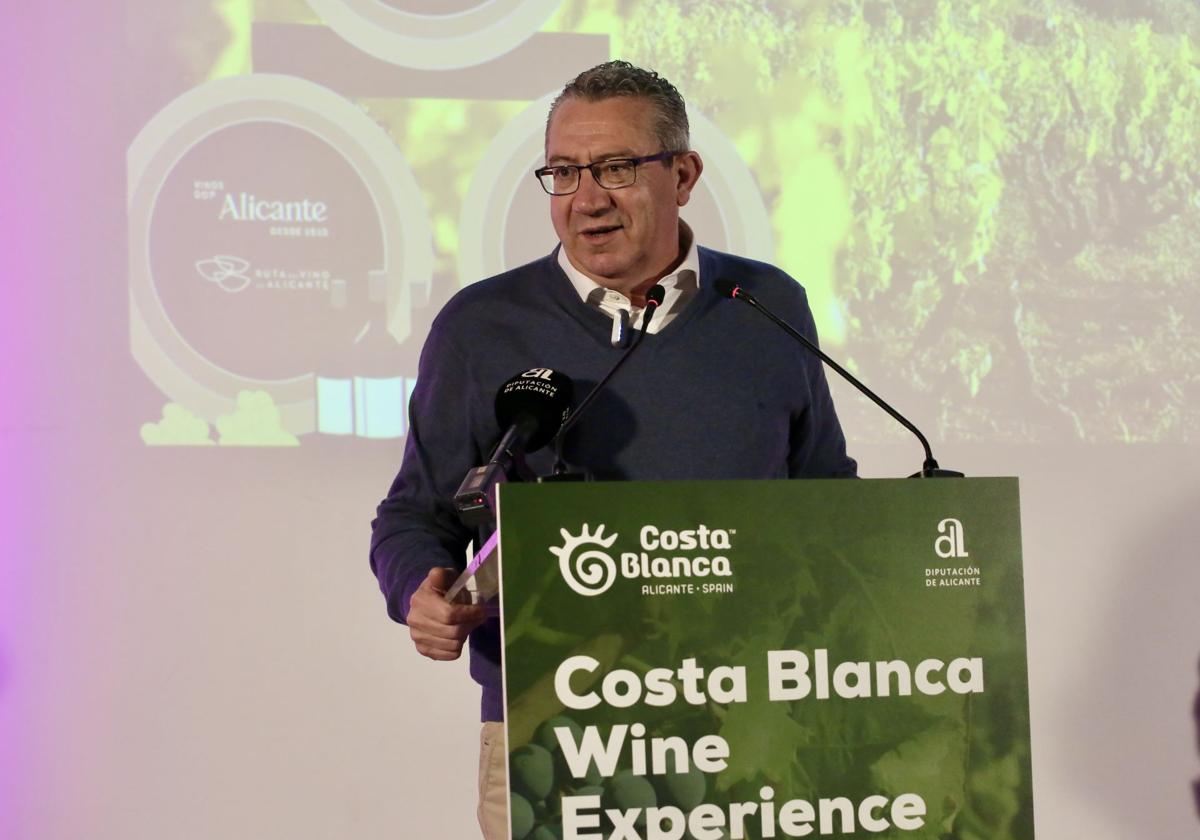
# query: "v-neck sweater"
719, 393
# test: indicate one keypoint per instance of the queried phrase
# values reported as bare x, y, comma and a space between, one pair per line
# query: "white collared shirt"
680, 286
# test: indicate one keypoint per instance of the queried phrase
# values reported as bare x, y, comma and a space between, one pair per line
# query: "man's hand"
439, 629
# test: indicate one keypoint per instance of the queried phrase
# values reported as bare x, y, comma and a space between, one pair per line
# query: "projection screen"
245, 213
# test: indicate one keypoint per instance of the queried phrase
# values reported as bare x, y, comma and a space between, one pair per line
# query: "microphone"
654, 299
930, 469
531, 407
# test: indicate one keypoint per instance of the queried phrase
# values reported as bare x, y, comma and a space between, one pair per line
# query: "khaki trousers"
493, 789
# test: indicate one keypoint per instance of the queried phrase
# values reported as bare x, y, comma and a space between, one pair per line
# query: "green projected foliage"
994, 205
1020, 185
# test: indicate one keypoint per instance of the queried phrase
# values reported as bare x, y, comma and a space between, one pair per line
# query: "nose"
591, 198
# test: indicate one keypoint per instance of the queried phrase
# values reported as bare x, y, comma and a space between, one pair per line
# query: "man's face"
620, 238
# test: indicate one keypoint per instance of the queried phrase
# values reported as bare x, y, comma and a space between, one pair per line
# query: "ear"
687, 169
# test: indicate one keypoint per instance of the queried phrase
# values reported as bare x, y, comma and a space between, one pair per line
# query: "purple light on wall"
60, 196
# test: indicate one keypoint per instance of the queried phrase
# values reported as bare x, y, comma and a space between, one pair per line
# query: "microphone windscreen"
655, 295
725, 287
539, 397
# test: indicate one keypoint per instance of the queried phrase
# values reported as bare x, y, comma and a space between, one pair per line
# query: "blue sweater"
718, 393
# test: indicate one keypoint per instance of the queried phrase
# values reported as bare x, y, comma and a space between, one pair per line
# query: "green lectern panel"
747, 659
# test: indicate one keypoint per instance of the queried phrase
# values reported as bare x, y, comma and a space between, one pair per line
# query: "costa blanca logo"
227, 272
667, 564
952, 542
592, 571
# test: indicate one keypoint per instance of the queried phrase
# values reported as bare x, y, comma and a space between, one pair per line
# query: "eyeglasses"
612, 174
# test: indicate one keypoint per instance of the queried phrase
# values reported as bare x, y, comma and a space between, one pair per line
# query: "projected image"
994, 206
278, 243
278, 255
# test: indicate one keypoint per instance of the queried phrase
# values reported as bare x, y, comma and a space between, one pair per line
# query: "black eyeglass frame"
591, 167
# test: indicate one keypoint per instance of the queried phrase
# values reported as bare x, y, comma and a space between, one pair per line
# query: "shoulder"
520, 283
774, 286
496, 300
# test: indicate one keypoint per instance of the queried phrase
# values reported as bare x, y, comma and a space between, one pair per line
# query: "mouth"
599, 233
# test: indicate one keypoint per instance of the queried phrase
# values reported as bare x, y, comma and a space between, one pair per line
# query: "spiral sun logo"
591, 571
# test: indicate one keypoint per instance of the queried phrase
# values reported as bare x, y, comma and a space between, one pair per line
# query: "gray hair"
620, 78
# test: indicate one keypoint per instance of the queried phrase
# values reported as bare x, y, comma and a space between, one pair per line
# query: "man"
714, 392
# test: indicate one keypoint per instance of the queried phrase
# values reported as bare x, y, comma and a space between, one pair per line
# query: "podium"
729, 659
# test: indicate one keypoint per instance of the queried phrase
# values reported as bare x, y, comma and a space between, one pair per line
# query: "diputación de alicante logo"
950, 545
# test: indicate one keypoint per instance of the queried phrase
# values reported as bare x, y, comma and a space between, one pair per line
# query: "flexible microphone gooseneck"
930, 469
654, 299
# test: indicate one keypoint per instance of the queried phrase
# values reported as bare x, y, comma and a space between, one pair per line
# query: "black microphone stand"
560, 472
930, 468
